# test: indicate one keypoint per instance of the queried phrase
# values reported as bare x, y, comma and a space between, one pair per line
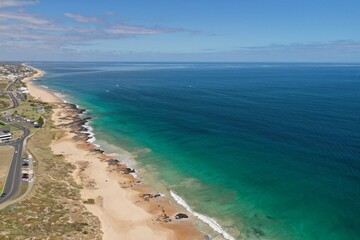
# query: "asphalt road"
13, 179
8, 88
11, 94
13, 99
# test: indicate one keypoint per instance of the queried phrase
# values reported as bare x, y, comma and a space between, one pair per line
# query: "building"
5, 136
24, 90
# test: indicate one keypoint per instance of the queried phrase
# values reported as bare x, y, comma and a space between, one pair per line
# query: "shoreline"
126, 207
134, 210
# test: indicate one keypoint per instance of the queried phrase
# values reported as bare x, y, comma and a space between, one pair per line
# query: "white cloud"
139, 30
16, 3
22, 30
23, 17
80, 18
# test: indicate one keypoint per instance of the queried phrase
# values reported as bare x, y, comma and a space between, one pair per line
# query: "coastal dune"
126, 207
119, 216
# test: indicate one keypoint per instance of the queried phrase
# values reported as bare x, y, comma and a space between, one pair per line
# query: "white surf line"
211, 222
89, 131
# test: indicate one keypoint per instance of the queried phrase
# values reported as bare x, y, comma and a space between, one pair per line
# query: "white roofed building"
4, 137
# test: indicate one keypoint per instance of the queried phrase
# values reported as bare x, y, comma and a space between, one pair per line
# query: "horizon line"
121, 61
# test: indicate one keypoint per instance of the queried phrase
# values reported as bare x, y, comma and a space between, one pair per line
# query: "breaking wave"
209, 221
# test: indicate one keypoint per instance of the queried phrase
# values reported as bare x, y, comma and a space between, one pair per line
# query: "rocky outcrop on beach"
148, 196
181, 216
128, 170
74, 123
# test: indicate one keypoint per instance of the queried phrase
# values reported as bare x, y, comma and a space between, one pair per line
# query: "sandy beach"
126, 207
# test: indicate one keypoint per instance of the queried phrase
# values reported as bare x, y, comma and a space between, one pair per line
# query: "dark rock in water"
74, 107
113, 162
128, 170
181, 215
97, 150
71, 106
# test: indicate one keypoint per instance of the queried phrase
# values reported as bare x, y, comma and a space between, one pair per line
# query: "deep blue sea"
268, 151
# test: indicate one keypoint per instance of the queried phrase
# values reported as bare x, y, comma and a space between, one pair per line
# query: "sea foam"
90, 132
209, 221
61, 96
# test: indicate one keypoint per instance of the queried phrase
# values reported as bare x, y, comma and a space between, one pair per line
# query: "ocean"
255, 150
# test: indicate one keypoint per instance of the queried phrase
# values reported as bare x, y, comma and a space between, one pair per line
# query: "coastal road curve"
13, 179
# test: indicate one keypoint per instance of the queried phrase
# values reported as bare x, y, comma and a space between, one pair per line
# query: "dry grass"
3, 84
5, 101
54, 209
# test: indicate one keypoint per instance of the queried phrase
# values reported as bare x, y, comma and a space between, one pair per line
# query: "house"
24, 90
5, 136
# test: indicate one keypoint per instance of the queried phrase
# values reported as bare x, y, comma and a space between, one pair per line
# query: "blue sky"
174, 30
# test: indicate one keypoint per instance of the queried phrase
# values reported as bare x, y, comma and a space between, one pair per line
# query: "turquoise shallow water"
270, 151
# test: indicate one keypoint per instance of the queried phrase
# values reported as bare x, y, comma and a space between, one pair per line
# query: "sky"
180, 30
